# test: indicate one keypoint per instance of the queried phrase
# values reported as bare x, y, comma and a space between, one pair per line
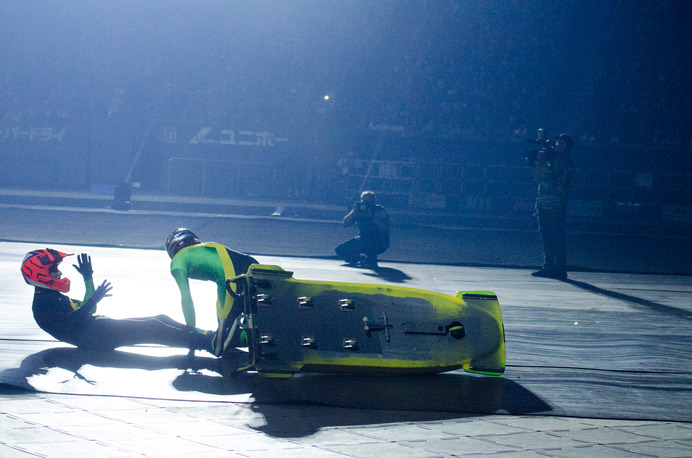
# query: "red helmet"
36, 269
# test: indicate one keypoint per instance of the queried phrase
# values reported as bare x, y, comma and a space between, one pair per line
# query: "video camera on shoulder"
547, 148
360, 206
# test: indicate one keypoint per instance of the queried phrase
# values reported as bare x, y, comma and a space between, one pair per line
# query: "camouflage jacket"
553, 177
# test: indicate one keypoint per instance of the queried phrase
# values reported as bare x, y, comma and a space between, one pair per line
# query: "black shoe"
354, 262
545, 273
551, 273
367, 264
560, 275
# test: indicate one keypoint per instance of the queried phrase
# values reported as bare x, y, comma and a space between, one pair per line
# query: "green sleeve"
88, 291
185, 296
88, 288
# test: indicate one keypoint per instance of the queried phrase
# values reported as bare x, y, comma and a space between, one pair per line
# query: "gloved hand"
89, 306
102, 291
84, 267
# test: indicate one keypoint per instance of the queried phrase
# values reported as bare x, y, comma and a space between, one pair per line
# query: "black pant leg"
551, 226
350, 250
105, 334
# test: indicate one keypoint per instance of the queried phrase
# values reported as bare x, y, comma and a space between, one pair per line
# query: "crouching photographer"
552, 171
373, 232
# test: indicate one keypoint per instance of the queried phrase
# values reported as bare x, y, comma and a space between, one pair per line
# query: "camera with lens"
360, 206
547, 148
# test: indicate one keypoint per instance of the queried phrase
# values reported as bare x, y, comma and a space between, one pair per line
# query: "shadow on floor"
409, 398
390, 275
650, 305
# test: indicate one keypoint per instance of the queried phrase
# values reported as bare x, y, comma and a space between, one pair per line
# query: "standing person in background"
552, 171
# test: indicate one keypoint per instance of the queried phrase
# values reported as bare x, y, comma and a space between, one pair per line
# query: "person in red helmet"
75, 322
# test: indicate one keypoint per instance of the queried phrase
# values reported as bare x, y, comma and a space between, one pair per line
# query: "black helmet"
179, 239
568, 140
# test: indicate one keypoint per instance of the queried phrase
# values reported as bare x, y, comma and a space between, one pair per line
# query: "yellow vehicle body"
317, 326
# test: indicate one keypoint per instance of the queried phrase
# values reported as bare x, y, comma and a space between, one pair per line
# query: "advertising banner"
43, 155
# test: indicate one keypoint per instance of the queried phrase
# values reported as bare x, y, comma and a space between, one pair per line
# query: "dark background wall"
218, 98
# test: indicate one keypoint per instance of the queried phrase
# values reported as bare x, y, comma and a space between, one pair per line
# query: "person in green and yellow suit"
192, 259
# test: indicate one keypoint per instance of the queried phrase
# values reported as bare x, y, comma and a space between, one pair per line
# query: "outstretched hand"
83, 266
89, 306
102, 291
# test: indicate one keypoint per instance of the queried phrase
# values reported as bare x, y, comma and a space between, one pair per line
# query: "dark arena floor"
599, 364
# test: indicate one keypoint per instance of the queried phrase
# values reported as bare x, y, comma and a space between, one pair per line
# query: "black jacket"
60, 316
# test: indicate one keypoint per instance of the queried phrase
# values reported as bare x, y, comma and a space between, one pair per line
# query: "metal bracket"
308, 341
347, 305
305, 302
351, 344
384, 326
263, 299
266, 339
